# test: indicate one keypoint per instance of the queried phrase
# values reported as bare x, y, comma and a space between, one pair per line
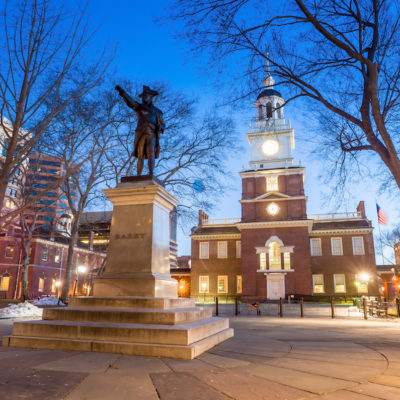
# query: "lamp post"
80, 269
203, 287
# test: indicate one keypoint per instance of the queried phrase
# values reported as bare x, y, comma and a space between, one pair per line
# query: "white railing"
343, 215
222, 221
269, 125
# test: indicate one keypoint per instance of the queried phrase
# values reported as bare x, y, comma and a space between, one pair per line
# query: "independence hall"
276, 249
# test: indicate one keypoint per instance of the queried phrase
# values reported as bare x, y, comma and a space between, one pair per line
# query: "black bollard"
236, 306
216, 306
398, 307
280, 307
365, 308
332, 308
301, 308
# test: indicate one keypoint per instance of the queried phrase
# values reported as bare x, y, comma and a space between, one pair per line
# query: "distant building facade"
276, 249
47, 263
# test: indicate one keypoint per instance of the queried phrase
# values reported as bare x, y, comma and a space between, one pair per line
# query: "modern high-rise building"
53, 209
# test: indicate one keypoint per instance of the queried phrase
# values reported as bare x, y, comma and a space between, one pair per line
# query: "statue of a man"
149, 127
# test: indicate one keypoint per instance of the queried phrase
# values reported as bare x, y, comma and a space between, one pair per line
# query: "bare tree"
41, 59
341, 55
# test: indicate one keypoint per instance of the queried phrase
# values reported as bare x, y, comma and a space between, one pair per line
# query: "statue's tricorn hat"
148, 91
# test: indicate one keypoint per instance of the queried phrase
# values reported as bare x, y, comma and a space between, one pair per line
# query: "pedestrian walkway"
269, 358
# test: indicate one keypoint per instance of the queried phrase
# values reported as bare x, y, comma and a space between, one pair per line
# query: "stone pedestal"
138, 254
135, 308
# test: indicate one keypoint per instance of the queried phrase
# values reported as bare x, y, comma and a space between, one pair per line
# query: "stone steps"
183, 334
127, 316
143, 349
160, 303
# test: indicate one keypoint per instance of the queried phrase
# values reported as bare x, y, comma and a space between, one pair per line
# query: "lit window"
239, 284
10, 251
263, 261
5, 282
315, 245
204, 250
222, 284
10, 203
358, 245
318, 283
45, 253
238, 249
222, 250
57, 256
274, 255
337, 248
41, 284
272, 183
53, 285
339, 281
203, 284
286, 260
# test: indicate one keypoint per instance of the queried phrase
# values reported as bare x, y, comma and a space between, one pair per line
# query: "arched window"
260, 111
269, 110
279, 110
274, 255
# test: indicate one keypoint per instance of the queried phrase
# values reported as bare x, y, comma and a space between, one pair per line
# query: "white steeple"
271, 138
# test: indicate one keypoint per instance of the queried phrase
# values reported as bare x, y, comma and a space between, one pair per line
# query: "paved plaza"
269, 358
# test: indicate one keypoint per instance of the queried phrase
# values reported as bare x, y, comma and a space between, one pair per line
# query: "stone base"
162, 327
130, 285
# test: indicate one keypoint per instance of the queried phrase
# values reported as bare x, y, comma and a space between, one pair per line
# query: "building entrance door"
275, 286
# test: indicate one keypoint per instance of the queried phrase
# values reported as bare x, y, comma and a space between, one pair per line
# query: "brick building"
276, 249
46, 267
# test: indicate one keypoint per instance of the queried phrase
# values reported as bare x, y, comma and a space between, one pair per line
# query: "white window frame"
225, 279
335, 276
337, 251
222, 249
238, 249
317, 253
239, 284
357, 252
287, 262
272, 183
206, 279
319, 284
204, 250
45, 253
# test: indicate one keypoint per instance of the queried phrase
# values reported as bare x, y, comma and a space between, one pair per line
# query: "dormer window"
269, 110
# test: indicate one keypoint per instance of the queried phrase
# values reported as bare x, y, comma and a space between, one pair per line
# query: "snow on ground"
48, 301
21, 310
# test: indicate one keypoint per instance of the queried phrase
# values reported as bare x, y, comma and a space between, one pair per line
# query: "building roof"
214, 230
268, 92
96, 217
331, 224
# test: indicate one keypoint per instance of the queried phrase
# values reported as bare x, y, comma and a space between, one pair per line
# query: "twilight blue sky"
147, 51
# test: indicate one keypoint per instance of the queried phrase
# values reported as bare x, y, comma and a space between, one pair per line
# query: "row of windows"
337, 246
222, 284
222, 249
339, 283
44, 162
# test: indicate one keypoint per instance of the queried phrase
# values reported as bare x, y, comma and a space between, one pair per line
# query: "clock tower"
274, 225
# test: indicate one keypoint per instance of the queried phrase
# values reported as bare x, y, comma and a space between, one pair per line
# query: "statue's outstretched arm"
128, 100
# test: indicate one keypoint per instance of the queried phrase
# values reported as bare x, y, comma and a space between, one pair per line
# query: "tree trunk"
70, 259
25, 271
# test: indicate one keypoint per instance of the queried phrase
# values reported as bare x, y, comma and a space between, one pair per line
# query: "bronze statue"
149, 127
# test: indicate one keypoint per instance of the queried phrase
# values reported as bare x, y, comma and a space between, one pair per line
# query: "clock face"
272, 209
270, 147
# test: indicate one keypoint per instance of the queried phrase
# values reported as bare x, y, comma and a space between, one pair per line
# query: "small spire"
268, 81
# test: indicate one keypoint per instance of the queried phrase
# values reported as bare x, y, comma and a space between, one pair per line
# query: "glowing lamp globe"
270, 147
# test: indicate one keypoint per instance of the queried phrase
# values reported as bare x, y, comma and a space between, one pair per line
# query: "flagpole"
379, 230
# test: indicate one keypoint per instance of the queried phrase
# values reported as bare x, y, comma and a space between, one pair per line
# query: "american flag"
382, 217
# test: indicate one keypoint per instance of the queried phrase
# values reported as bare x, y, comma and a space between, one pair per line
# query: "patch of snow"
48, 301
21, 310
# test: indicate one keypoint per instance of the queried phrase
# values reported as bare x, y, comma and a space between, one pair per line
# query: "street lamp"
80, 269
58, 284
364, 277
